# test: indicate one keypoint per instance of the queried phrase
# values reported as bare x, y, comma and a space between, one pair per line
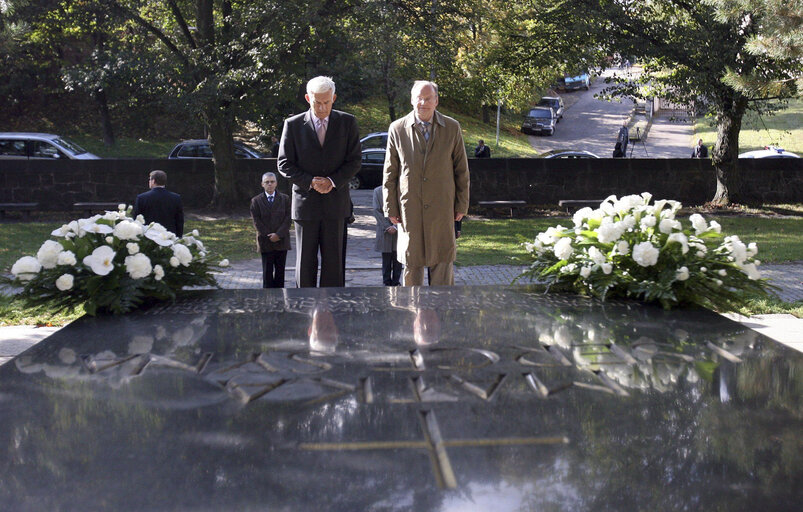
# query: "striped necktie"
425, 130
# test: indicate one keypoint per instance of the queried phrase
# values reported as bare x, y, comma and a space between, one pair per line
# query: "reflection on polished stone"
475, 398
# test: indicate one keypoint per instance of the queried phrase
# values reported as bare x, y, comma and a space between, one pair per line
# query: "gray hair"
420, 84
320, 84
269, 174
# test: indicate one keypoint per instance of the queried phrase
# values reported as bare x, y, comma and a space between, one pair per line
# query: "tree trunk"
725, 155
486, 113
226, 195
105, 118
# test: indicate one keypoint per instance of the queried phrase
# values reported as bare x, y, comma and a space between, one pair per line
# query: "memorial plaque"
379, 399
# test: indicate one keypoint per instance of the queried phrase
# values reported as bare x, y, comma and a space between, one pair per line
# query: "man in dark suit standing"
270, 211
319, 153
160, 205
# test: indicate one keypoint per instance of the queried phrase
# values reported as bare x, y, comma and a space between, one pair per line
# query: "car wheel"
355, 183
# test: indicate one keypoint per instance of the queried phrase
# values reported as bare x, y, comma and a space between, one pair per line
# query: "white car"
769, 152
40, 146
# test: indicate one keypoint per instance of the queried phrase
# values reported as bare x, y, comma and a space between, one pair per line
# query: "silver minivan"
40, 146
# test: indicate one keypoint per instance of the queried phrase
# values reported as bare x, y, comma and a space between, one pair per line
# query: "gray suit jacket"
301, 158
385, 242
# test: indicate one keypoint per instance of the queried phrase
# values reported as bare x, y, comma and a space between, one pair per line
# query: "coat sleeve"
179, 216
461, 177
287, 161
379, 211
390, 176
256, 217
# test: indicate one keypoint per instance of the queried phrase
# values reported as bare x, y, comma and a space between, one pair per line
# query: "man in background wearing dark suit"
160, 205
319, 153
270, 211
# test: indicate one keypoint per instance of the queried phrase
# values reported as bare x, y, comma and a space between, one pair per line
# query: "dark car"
40, 146
567, 153
199, 148
540, 120
555, 103
370, 174
375, 140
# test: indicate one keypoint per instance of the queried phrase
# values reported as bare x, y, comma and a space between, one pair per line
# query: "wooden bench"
90, 207
572, 205
25, 208
490, 206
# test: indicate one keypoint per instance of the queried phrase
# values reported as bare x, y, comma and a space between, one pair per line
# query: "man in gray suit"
270, 212
319, 153
386, 236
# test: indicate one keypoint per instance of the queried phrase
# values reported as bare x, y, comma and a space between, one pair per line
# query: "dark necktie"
270, 199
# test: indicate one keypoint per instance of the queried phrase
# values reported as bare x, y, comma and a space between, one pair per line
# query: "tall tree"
687, 54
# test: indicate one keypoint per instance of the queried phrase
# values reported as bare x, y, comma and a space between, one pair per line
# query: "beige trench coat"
425, 183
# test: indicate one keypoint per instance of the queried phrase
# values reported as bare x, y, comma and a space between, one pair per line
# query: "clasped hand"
322, 185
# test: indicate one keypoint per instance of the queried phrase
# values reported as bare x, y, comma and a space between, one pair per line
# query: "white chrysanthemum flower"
182, 253
25, 268
109, 240
128, 230
629, 222
668, 225
195, 232
90, 226
682, 274
199, 245
737, 249
224, 263
647, 221
110, 215
585, 271
174, 262
698, 223
122, 207
66, 258
751, 271
622, 247
607, 268
703, 270
563, 248
596, 255
681, 239
138, 266
132, 247
63, 231
581, 215
141, 219
65, 282
158, 272
101, 261
718, 282
609, 231
715, 227
752, 249
48, 253
645, 254
160, 235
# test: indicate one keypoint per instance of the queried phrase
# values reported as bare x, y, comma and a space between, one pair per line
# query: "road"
588, 123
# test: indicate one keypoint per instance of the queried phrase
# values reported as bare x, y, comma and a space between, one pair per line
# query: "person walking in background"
699, 151
425, 196
386, 237
270, 212
160, 205
482, 151
623, 137
319, 153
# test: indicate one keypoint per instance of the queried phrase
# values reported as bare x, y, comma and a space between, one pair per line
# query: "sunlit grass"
784, 129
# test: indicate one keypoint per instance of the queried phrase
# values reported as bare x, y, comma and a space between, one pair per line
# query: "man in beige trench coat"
425, 187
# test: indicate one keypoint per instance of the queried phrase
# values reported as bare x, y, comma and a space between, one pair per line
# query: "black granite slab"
379, 399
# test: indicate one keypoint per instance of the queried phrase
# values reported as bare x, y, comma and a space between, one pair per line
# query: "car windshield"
69, 145
540, 112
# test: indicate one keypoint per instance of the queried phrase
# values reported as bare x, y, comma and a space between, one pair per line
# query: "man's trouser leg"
442, 274
413, 276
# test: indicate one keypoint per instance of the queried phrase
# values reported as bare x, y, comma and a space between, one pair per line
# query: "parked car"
375, 140
370, 173
40, 146
769, 152
554, 102
573, 83
199, 148
567, 153
540, 120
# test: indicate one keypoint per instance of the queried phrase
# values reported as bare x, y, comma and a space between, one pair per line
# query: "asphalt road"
588, 123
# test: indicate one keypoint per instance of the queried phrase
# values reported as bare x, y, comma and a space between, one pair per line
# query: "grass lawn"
784, 129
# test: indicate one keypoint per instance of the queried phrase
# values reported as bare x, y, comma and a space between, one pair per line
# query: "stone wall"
56, 185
